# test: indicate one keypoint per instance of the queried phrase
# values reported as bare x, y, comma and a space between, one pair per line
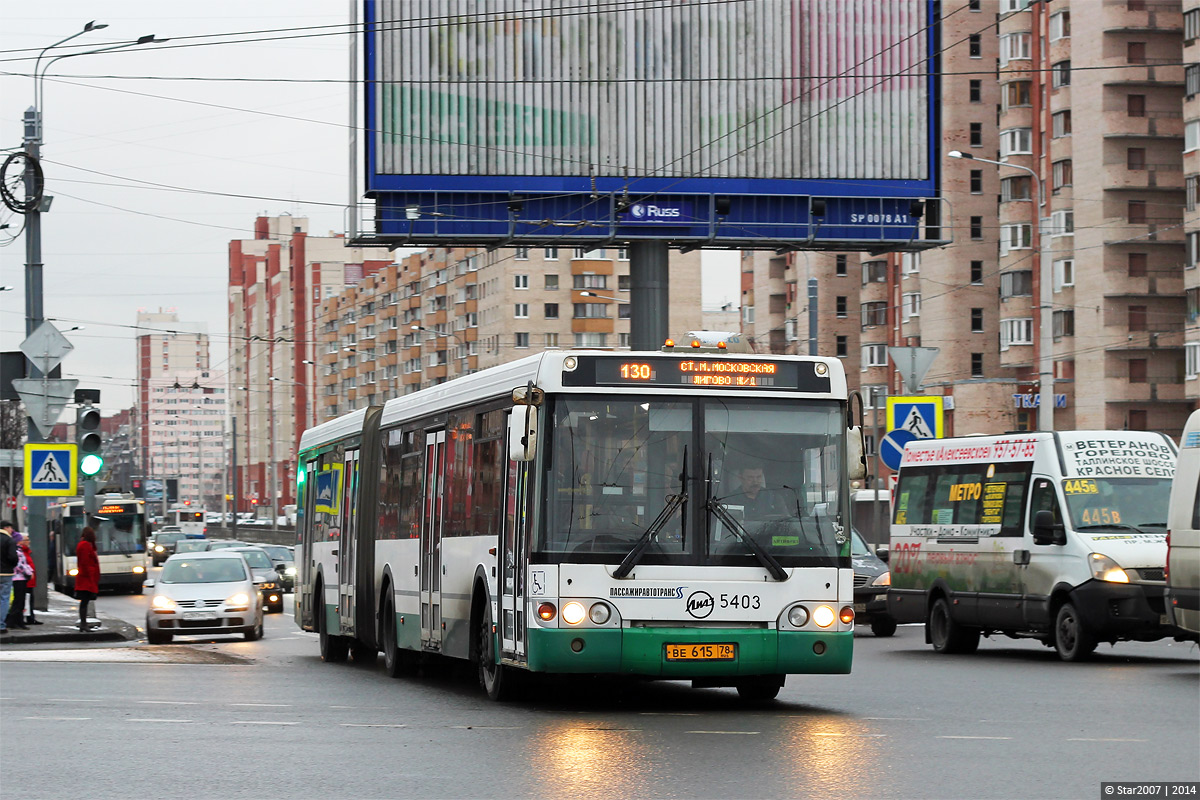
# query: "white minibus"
1183, 533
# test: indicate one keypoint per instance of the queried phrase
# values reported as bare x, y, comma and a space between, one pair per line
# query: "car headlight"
139, 570
158, 548
883, 580
239, 599
290, 571
163, 603
1105, 569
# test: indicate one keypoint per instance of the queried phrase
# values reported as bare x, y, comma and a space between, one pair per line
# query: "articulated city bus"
120, 526
673, 515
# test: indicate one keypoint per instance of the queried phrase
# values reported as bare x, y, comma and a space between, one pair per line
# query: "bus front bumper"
643, 651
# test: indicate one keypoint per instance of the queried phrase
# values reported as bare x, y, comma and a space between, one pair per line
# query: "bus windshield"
764, 469
116, 534
1118, 502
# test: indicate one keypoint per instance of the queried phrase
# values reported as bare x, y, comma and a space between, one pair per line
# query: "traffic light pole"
35, 515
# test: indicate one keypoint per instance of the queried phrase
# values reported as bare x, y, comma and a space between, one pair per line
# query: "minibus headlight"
573, 613
883, 580
798, 616
824, 616
139, 570
1105, 569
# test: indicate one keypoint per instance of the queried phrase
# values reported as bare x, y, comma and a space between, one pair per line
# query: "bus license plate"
701, 652
200, 616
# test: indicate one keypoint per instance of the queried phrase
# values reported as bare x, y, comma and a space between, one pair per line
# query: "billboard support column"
648, 294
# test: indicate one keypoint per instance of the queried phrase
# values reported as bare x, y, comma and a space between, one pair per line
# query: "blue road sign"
50, 469
891, 449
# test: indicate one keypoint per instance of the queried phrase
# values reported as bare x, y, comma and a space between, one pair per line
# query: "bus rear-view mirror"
856, 462
522, 433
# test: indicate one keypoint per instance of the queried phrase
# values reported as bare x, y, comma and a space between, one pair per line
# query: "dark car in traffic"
265, 576
871, 581
162, 544
284, 559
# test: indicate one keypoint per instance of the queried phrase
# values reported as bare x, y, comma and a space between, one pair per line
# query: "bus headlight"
1105, 569
600, 613
138, 570
573, 613
798, 616
73, 572
824, 616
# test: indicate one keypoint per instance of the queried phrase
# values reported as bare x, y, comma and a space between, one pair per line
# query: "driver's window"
1044, 499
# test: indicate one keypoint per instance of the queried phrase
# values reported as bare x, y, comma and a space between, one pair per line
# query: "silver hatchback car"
204, 593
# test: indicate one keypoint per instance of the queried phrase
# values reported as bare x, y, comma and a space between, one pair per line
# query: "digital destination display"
706, 373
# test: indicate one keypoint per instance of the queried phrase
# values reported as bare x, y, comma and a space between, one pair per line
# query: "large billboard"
740, 123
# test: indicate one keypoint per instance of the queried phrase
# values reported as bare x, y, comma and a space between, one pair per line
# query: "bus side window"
1044, 499
909, 504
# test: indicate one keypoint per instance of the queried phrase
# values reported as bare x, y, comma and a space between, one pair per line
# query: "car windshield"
764, 469
257, 559
279, 553
1118, 502
203, 570
221, 545
167, 536
189, 545
857, 546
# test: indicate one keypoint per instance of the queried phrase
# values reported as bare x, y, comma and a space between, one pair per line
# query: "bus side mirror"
856, 462
522, 433
1045, 531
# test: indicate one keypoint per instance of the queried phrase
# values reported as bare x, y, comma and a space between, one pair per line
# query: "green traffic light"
300, 476
91, 464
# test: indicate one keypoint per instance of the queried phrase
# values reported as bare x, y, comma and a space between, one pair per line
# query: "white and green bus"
669, 515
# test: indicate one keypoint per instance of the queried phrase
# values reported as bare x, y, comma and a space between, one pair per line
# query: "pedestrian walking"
8, 563
31, 584
21, 575
87, 579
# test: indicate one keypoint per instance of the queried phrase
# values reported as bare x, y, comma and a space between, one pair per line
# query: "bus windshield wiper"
719, 510
674, 502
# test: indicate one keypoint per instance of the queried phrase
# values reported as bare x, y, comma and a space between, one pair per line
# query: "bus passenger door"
431, 539
513, 562
346, 548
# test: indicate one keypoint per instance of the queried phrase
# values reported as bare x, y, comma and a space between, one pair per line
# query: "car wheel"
883, 626
946, 635
157, 637
255, 633
334, 649
760, 689
1072, 640
496, 679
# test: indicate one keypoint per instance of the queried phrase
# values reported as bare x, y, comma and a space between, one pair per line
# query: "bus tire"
760, 689
396, 662
362, 654
946, 635
496, 679
1072, 639
334, 649
883, 626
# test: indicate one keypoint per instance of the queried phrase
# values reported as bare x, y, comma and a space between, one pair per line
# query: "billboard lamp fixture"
817, 207
515, 206
412, 212
916, 209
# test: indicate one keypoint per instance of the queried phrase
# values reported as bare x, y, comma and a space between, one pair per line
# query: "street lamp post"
1045, 299
462, 341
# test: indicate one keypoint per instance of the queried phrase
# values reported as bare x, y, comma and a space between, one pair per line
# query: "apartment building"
181, 405
278, 282
1191, 168
447, 312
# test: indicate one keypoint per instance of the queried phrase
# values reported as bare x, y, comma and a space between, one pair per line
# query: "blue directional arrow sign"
50, 469
891, 449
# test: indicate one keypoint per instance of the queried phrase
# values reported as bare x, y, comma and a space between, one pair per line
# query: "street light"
604, 297
1045, 300
439, 333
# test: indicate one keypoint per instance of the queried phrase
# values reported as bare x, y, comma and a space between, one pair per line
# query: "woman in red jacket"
87, 579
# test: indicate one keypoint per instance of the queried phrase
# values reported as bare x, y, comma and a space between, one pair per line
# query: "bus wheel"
362, 654
883, 626
334, 649
496, 679
760, 689
947, 635
1072, 640
396, 662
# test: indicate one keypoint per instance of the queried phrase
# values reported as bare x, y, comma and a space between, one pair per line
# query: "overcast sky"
218, 153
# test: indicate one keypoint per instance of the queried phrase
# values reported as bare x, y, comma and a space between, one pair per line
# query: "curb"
59, 623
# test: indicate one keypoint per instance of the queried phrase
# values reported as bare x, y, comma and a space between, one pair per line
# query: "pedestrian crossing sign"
50, 469
921, 415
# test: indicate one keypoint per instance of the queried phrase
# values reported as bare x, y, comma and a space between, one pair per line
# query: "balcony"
1160, 72
1118, 176
1165, 230
1154, 125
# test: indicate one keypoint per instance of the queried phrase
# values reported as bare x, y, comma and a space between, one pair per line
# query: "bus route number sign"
714, 373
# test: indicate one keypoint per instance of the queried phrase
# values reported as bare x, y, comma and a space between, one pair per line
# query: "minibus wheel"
946, 635
1072, 640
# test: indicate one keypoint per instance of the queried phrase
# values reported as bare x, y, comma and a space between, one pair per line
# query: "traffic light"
87, 437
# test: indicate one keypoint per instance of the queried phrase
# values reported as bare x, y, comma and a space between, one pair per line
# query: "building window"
1016, 332
591, 340
976, 181
552, 283
1016, 141
1016, 94
520, 281
1135, 158
976, 134
551, 340
1060, 74
1017, 283
1137, 318
591, 311
1135, 52
1064, 323
975, 45
1192, 360
842, 345
550, 254
874, 272
521, 310
910, 263
624, 310
841, 306
551, 310
873, 313
1062, 223
975, 92
1018, 236
1135, 105
1060, 25
976, 320
976, 272
1191, 190
976, 365
521, 254
747, 315
1017, 187
976, 228
521, 340
912, 304
1012, 6
590, 281
1137, 265
1191, 24
1063, 175
1193, 250
1061, 124
1064, 273
1191, 136
874, 355
1014, 47
1137, 212
1137, 370
841, 264
1191, 79
974, 5
1138, 420
623, 283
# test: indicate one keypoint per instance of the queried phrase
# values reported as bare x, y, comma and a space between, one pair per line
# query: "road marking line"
256, 722
492, 727
264, 705
170, 702
856, 735
1108, 740
61, 719
371, 725
898, 719
993, 738
158, 720
730, 733
71, 700
668, 713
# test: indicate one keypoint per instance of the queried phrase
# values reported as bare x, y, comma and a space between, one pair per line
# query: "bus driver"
757, 501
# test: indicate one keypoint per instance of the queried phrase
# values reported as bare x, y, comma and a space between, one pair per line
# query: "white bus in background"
1183, 536
590, 512
121, 532
1059, 537
189, 520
